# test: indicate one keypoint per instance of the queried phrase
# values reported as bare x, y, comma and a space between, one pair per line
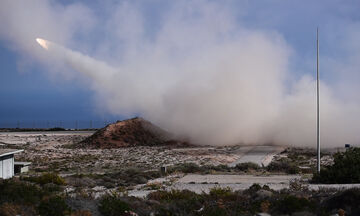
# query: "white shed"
7, 162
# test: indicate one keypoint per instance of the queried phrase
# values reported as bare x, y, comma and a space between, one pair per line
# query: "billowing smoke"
199, 74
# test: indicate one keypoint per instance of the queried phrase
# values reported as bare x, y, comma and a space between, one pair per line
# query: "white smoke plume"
198, 74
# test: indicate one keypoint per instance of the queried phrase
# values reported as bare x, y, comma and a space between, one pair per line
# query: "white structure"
21, 167
7, 162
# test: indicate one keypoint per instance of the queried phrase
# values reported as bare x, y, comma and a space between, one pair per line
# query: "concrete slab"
260, 155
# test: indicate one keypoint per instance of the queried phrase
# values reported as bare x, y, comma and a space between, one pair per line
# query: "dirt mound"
131, 132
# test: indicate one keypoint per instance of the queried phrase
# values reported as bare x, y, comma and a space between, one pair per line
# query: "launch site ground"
101, 170
258, 178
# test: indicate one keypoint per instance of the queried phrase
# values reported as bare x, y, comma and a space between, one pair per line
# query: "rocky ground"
60, 152
56, 152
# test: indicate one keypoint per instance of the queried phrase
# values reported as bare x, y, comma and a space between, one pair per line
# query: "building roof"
4, 152
22, 163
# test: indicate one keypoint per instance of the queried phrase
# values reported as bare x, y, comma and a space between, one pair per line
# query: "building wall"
7, 166
1, 168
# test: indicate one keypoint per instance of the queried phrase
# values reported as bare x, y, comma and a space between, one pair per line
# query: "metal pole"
318, 100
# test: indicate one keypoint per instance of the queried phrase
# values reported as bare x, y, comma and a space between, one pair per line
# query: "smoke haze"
198, 72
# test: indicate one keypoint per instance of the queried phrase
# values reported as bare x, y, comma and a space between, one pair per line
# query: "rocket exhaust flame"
43, 43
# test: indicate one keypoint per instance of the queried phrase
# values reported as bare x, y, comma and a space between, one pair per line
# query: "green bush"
185, 168
346, 169
255, 188
111, 205
53, 206
284, 165
219, 192
194, 168
289, 204
46, 178
214, 211
349, 200
247, 166
19, 192
173, 195
219, 168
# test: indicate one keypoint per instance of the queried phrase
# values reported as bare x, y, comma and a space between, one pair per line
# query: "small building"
7, 162
21, 167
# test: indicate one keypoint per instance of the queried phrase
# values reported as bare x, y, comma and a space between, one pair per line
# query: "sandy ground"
36, 138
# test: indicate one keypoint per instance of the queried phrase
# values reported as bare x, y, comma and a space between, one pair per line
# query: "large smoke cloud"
194, 71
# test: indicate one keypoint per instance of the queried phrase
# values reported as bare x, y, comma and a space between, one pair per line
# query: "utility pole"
318, 100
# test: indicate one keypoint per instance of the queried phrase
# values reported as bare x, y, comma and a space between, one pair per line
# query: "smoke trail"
198, 73
229, 100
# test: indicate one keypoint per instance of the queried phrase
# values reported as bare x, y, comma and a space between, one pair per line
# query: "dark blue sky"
29, 95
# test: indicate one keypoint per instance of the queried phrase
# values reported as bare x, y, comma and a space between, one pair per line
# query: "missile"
43, 43
78, 61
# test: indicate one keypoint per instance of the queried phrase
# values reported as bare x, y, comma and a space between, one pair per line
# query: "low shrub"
256, 187
46, 178
214, 210
19, 192
290, 204
10, 209
194, 168
247, 166
185, 168
111, 205
173, 195
53, 206
81, 213
345, 170
219, 192
283, 165
219, 168
349, 200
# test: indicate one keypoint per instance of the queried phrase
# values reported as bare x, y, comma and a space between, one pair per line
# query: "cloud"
195, 70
